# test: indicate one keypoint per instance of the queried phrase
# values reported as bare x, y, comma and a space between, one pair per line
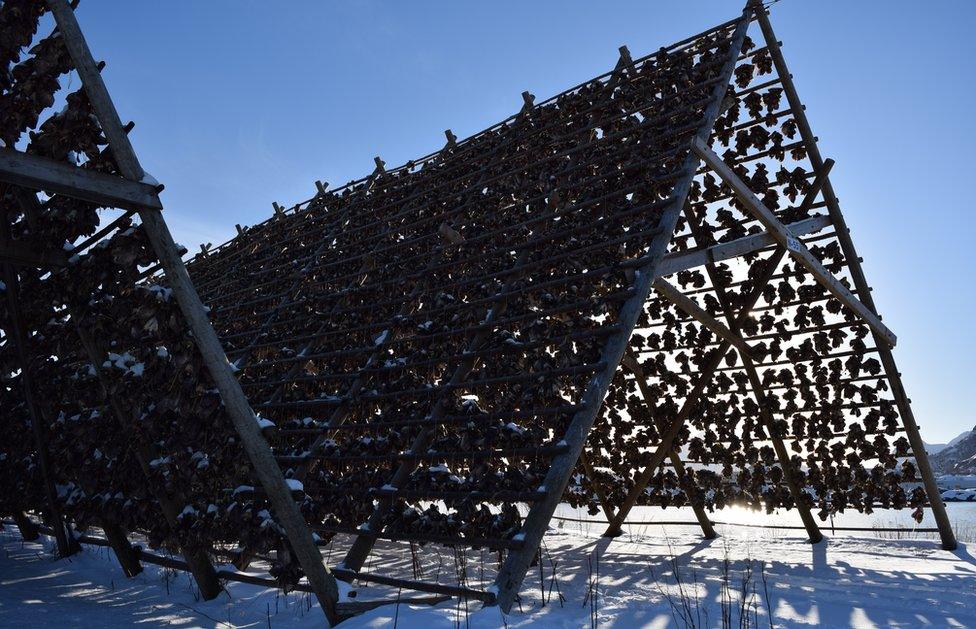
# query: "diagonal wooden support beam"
693, 310
236, 404
666, 445
794, 245
631, 363
41, 173
790, 471
860, 282
739, 247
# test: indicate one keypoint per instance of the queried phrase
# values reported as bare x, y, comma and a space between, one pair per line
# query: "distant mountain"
956, 457
935, 448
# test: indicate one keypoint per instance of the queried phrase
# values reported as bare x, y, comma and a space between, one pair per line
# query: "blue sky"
239, 104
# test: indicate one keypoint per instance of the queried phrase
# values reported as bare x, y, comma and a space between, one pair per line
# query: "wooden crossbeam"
693, 310
739, 247
788, 239
41, 173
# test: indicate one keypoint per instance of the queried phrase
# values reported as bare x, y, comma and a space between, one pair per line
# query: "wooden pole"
28, 530
510, 577
235, 403
42, 173
67, 545
631, 362
860, 282
126, 555
704, 376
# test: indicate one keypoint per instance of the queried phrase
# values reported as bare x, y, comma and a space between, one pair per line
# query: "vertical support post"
127, 556
512, 573
67, 545
236, 404
28, 530
860, 283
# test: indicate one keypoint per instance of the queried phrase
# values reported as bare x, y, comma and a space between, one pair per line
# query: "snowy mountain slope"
935, 448
957, 457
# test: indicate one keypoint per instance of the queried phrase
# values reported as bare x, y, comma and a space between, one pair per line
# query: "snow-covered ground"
857, 579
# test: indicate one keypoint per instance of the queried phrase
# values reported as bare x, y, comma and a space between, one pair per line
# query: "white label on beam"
793, 243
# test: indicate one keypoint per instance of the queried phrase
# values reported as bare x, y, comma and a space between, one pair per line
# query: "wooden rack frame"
378, 222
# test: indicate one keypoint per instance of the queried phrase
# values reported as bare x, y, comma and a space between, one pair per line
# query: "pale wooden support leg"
861, 284
236, 404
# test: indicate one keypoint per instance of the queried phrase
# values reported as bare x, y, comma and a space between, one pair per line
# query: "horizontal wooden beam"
692, 309
683, 261
42, 173
20, 254
793, 245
